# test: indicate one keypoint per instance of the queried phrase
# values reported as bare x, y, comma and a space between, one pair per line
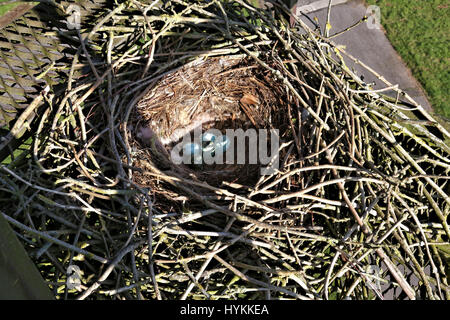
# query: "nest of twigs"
359, 203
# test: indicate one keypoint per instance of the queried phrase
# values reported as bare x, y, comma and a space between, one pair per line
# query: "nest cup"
204, 121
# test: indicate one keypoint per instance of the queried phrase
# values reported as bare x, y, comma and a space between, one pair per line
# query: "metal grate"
35, 51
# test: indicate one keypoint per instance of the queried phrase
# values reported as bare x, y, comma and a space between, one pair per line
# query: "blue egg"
208, 142
221, 144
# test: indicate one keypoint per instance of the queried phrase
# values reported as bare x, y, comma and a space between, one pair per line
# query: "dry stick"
352, 121
217, 190
94, 189
396, 274
78, 106
278, 74
25, 204
394, 271
94, 70
22, 122
64, 221
357, 79
75, 241
347, 29
403, 122
337, 181
439, 213
402, 151
349, 260
404, 130
391, 229
207, 261
150, 247
264, 178
258, 282
419, 107
328, 25
291, 124
150, 235
319, 134
250, 228
53, 130
298, 170
111, 132
133, 229
416, 220
312, 155
374, 90
194, 280
217, 234
115, 161
108, 270
111, 67
265, 270
311, 197
54, 240
184, 219
239, 216
217, 250
33, 185
403, 244
362, 274
84, 169
330, 270
122, 289
442, 270
302, 281
154, 38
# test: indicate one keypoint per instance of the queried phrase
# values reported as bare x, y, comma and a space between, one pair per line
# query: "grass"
419, 32
4, 8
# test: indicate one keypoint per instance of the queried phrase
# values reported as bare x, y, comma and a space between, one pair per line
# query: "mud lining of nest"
362, 179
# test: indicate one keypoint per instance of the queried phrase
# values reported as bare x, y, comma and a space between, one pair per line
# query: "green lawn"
419, 31
5, 7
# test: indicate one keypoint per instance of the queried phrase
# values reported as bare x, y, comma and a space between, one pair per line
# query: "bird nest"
360, 185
